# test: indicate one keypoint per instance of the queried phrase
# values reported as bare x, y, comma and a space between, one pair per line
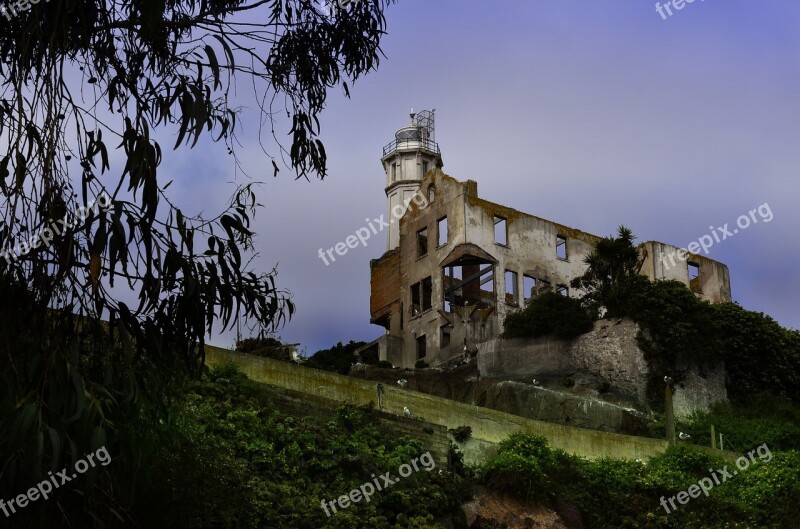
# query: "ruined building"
457, 264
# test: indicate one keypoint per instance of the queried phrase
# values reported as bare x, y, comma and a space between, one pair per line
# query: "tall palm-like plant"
612, 272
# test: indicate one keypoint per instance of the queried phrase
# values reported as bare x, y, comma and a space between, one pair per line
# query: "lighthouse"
406, 161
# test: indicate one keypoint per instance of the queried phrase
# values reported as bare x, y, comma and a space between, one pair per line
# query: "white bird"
683, 436
298, 358
406, 412
535, 382
402, 382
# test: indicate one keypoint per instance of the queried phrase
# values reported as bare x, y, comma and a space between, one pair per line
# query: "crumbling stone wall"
604, 363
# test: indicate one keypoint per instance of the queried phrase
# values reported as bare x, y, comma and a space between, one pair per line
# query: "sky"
591, 114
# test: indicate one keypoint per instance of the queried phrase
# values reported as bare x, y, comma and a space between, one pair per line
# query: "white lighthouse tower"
406, 160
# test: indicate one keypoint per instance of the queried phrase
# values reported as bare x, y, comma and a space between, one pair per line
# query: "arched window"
431, 193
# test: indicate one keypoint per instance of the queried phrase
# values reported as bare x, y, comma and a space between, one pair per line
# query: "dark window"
694, 277
500, 230
394, 172
422, 242
425, 170
694, 271
422, 347
421, 296
445, 339
512, 295
561, 247
468, 284
442, 231
528, 288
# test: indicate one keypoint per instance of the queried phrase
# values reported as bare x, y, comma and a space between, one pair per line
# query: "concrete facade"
457, 264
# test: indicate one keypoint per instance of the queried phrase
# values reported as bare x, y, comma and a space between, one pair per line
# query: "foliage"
338, 358
681, 330
235, 462
267, 347
523, 464
612, 273
94, 221
65, 391
626, 494
384, 364
765, 419
549, 313
421, 364
462, 433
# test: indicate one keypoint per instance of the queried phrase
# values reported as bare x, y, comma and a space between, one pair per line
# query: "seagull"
298, 358
402, 382
683, 436
406, 412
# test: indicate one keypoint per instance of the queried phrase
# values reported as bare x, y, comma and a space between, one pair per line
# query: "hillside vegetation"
678, 328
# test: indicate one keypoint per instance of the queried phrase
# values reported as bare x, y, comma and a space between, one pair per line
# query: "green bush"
231, 460
766, 419
266, 347
422, 364
523, 464
462, 433
613, 494
549, 313
759, 355
338, 358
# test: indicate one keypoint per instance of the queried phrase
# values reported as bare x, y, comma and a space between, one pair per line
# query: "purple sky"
592, 114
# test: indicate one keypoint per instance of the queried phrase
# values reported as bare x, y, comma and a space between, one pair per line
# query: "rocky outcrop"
494, 509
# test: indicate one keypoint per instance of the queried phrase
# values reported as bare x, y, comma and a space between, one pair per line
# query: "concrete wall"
489, 427
699, 391
665, 261
523, 357
607, 354
414, 268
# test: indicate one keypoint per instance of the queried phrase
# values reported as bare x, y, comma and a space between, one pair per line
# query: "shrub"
759, 355
421, 364
232, 460
524, 464
338, 358
462, 433
766, 419
549, 313
613, 494
266, 347
385, 365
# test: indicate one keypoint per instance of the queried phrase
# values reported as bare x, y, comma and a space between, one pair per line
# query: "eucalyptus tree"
87, 88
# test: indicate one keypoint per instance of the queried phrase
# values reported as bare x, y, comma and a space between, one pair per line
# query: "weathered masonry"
457, 264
